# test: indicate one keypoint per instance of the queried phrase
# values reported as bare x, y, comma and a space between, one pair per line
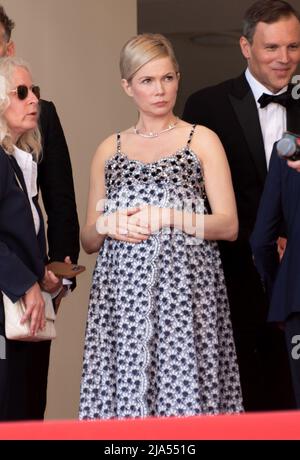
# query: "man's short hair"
7, 24
268, 11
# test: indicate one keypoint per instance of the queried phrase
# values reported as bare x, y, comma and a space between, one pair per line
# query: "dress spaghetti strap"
190, 136
119, 142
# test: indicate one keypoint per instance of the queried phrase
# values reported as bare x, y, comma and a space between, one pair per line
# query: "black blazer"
22, 254
230, 110
55, 181
280, 200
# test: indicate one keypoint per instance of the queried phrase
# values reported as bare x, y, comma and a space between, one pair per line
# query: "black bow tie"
282, 99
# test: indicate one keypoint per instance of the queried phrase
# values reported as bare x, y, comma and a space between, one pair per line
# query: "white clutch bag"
14, 330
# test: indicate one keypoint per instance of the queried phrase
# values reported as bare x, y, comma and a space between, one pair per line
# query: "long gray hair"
30, 141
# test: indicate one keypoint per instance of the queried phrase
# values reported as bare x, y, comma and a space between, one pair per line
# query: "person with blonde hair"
55, 184
24, 366
158, 338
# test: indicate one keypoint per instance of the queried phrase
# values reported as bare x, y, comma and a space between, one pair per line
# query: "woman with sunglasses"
24, 365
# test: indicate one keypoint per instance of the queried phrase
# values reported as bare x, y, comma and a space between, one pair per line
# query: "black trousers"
23, 379
261, 347
292, 335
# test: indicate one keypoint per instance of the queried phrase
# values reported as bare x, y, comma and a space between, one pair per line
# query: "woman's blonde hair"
29, 141
142, 49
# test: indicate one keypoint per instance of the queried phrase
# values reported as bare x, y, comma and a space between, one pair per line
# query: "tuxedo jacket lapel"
244, 105
18, 173
41, 234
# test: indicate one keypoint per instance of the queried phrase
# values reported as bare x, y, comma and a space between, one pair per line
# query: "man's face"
6, 48
274, 53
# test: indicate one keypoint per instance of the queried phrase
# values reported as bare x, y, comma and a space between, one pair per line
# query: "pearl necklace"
151, 134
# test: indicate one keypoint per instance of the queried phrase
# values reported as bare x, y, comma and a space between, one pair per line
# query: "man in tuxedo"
55, 181
249, 114
55, 177
281, 200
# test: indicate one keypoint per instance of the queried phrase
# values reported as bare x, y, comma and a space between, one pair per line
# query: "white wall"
73, 47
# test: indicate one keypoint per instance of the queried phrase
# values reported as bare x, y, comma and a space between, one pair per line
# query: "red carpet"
271, 426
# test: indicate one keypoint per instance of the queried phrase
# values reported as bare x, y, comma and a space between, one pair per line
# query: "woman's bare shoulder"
106, 149
199, 131
202, 131
205, 141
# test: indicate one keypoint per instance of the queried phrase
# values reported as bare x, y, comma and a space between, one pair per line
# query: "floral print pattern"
159, 338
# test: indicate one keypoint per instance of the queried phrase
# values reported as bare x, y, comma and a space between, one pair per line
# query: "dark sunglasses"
23, 90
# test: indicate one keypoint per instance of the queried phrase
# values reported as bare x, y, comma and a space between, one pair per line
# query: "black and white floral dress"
159, 338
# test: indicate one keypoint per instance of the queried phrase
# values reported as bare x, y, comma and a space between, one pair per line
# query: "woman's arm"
91, 240
16, 279
222, 224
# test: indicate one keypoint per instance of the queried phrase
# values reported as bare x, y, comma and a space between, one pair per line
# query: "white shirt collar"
257, 88
24, 159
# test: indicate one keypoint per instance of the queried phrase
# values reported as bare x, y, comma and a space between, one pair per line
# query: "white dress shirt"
272, 117
29, 169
